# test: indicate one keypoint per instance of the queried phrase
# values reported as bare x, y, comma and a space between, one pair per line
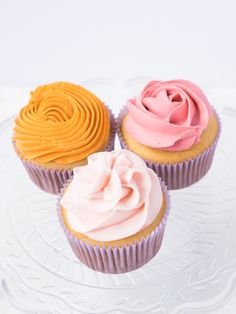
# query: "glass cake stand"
195, 269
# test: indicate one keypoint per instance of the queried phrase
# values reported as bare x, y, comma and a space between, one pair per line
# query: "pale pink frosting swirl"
112, 197
168, 115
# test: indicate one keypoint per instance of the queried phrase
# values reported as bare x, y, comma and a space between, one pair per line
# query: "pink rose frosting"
112, 197
168, 115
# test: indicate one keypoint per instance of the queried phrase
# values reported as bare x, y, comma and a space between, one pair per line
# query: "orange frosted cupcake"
173, 127
114, 212
60, 127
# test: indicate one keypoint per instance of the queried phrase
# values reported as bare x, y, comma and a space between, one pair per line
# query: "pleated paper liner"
123, 259
52, 180
182, 174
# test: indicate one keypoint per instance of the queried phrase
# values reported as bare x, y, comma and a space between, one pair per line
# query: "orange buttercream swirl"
62, 123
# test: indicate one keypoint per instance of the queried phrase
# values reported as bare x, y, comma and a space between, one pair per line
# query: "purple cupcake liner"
52, 180
119, 259
182, 174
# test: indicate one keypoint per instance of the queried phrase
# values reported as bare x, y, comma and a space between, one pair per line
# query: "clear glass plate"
195, 269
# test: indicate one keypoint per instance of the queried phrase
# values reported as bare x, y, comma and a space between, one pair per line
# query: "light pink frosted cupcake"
114, 212
173, 127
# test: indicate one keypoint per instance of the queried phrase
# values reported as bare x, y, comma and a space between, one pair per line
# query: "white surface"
119, 90
48, 40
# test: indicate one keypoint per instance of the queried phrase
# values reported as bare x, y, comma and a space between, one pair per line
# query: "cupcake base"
53, 180
116, 260
181, 174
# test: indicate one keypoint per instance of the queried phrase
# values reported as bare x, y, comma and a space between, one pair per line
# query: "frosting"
112, 197
168, 115
62, 123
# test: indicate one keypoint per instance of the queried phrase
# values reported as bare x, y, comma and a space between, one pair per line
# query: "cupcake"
173, 127
58, 129
114, 212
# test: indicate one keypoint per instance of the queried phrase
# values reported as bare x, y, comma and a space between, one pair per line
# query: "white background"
48, 40
74, 40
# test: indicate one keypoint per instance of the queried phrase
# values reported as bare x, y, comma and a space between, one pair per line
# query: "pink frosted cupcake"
173, 127
114, 212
